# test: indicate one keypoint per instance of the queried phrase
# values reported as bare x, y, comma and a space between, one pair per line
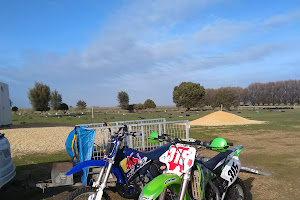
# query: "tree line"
123, 99
42, 99
279, 92
189, 94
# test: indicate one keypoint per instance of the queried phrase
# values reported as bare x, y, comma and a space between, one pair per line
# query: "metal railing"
117, 123
143, 128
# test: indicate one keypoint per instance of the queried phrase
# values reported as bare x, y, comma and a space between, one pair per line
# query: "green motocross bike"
189, 177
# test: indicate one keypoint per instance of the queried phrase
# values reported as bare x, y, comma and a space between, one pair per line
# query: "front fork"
185, 182
103, 184
100, 188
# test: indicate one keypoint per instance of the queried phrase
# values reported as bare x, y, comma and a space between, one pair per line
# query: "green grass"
287, 121
103, 116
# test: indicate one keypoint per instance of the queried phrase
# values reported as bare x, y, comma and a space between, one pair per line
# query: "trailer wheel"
86, 193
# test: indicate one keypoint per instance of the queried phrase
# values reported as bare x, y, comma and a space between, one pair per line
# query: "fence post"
159, 129
103, 138
143, 138
130, 138
165, 127
187, 126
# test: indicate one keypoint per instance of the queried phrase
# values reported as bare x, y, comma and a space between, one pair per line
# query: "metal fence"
117, 123
143, 128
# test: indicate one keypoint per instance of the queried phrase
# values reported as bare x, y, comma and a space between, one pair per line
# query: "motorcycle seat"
156, 153
213, 162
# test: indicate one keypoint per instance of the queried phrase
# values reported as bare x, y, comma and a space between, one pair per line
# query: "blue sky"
91, 50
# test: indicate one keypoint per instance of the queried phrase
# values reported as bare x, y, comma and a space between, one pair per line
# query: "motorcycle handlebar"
193, 142
199, 143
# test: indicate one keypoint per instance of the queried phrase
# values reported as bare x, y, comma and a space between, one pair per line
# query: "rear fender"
237, 150
154, 188
96, 163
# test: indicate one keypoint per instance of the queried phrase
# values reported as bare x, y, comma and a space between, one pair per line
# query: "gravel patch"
39, 140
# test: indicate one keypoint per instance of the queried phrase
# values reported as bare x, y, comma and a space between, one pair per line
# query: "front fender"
96, 163
154, 188
84, 164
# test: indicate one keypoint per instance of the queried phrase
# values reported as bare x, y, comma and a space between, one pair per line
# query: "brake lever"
133, 134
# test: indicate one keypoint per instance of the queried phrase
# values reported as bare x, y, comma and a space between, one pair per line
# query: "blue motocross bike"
132, 169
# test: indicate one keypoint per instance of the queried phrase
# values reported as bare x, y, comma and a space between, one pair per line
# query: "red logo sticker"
131, 161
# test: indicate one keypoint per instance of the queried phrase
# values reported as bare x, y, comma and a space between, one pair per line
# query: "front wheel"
236, 191
86, 193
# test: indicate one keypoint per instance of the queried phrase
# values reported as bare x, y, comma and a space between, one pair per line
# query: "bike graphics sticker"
170, 180
132, 163
173, 159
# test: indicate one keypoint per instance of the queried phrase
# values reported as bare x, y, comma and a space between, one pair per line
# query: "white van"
7, 168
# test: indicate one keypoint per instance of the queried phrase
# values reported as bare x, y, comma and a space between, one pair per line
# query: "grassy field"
270, 147
102, 115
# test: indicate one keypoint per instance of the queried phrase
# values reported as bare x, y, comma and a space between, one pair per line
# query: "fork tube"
110, 164
103, 168
184, 185
103, 184
99, 177
162, 196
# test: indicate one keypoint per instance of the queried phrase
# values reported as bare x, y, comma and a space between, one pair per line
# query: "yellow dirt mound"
221, 118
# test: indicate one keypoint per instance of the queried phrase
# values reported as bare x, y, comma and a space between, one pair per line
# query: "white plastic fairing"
172, 158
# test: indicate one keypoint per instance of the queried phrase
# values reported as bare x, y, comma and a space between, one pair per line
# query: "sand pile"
221, 118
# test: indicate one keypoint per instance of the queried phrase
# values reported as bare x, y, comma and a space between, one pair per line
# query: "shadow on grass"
248, 184
27, 176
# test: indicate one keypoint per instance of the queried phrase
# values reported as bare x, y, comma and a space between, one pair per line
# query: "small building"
5, 114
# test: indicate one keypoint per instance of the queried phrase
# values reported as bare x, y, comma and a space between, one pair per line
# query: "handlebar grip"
161, 137
230, 143
125, 128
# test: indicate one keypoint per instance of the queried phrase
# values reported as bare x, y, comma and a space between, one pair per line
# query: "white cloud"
141, 36
283, 18
220, 31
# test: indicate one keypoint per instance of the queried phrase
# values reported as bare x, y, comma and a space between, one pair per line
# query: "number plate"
231, 171
173, 159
